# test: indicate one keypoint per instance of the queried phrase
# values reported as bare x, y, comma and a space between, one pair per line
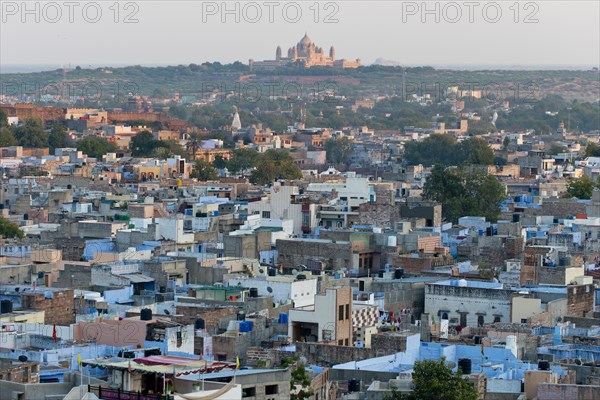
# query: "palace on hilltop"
307, 54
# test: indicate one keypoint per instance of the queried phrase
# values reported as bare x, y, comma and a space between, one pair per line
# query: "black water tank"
6, 306
301, 277
146, 314
544, 365
241, 315
272, 272
398, 273
380, 273
477, 340
199, 324
253, 292
464, 364
489, 231
516, 217
354, 385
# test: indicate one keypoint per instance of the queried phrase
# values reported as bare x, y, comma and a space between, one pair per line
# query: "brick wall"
580, 299
212, 317
59, 309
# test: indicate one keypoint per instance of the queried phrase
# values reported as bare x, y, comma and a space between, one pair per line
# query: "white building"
279, 205
467, 303
284, 289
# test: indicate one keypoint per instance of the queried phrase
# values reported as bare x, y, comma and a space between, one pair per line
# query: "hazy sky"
183, 32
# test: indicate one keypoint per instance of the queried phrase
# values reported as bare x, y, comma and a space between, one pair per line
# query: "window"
346, 342
523, 320
271, 389
444, 315
496, 319
347, 311
249, 392
266, 214
340, 313
340, 342
480, 320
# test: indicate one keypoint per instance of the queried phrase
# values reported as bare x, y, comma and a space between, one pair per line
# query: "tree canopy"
339, 151
581, 188
204, 171
9, 229
58, 138
96, 147
32, 134
465, 191
435, 380
443, 149
273, 165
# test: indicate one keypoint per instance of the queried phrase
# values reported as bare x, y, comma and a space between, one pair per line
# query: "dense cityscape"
303, 227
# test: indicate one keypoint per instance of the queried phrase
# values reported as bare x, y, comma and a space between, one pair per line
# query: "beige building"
328, 320
308, 55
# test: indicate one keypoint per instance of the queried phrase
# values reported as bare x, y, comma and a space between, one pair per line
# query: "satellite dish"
23, 358
294, 272
262, 271
167, 312
269, 289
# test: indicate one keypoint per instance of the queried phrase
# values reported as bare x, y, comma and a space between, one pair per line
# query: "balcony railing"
118, 394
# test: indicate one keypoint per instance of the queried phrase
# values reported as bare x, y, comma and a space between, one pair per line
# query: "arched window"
444, 315
480, 320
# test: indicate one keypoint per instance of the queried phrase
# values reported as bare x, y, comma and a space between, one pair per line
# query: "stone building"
307, 54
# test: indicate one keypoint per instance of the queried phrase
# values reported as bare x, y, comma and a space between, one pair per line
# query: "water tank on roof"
516, 217
462, 283
301, 277
272, 272
464, 364
241, 315
146, 314
398, 273
392, 241
354, 385
544, 365
253, 292
199, 324
6, 306
283, 318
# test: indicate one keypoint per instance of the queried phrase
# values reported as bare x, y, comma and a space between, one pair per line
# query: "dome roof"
305, 40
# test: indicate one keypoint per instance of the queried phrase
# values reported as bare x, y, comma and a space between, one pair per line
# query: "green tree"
435, 380
505, 142
31, 134
592, 150
465, 191
10, 230
273, 165
163, 149
436, 149
3, 119
475, 151
299, 377
581, 188
58, 138
219, 162
7, 138
204, 171
96, 147
242, 159
339, 151
143, 144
